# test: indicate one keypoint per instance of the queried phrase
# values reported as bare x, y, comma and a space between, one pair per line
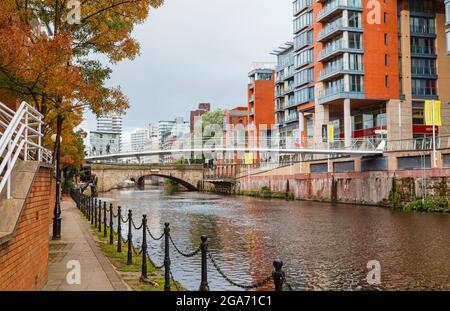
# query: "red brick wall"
24, 258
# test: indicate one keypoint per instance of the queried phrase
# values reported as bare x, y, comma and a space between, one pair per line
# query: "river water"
323, 246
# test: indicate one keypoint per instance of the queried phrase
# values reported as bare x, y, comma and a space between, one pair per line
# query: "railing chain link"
243, 286
153, 237
187, 255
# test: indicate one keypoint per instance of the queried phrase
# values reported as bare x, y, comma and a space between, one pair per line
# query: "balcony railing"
415, 29
332, 71
291, 118
422, 50
334, 28
335, 5
423, 71
334, 93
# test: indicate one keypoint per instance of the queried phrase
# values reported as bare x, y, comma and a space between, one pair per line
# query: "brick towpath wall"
24, 258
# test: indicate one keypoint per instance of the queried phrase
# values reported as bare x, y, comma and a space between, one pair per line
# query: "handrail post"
26, 134
88, 208
278, 275
111, 225
144, 275
94, 211
166, 257
119, 229
91, 210
204, 287
105, 230
130, 239
99, 216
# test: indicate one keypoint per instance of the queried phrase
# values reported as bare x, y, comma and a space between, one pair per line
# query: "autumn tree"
56, 69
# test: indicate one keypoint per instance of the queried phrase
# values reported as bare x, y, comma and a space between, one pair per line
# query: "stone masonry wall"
358, 188
24, 258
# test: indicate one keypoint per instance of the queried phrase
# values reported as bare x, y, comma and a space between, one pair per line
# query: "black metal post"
111, 224
88, 208
105, 229
99, 216
167, 257
93, 211
130, 239
119, 229
57, 209
278, 275
204, 287
144, 275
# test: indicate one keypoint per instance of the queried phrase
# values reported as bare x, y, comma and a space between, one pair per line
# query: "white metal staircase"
21, 138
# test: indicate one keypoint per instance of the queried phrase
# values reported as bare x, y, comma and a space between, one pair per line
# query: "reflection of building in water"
248, 240
104, 143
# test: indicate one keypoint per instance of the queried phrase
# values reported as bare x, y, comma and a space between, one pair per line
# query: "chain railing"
103, 218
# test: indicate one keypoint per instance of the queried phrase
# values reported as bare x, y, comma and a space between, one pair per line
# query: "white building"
103, 143
152, 143
111, 123
163, 134
138, 139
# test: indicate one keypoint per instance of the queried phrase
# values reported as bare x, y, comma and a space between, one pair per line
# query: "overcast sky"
198, 51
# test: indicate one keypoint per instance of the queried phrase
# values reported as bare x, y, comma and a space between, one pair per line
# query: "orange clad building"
367, 67
261, 110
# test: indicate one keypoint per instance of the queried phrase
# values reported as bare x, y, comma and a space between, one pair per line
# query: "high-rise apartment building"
367, 66
261, 110
138, 139
286, 113
195, 115
111, 123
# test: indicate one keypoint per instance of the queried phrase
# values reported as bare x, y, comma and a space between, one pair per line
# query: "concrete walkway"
78, 245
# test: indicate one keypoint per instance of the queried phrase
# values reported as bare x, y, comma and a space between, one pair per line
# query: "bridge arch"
182, 182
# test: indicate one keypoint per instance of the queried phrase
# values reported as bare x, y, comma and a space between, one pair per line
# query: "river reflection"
323, 246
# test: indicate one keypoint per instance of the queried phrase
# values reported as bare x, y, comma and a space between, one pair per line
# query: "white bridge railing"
21, 136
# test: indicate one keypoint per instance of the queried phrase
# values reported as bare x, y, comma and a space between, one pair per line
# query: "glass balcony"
423, 30
423, 51
423, 71
291, 118
331, 8
301, 5
338, 70
336, 93
334, 29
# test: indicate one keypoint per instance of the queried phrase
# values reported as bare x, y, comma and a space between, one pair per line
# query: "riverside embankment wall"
352, 187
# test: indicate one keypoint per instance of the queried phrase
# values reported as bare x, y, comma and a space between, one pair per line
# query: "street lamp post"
56, 138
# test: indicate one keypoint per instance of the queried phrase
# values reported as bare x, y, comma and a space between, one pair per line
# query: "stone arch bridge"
113, 176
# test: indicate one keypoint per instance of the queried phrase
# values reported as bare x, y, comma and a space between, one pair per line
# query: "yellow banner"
248, 158
429, 113
330, 129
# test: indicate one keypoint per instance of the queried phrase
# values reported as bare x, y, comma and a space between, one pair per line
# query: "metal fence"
21, 137
103, 217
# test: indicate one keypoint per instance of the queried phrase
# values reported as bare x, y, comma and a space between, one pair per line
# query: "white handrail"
21, 136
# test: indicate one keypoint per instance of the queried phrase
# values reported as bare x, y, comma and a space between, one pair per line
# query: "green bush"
428, 205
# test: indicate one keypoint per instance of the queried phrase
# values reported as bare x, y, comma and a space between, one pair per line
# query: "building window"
447, 12
448, 40
355, 19
422, 25
418, 117
423, 87
354, 40
356, 83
